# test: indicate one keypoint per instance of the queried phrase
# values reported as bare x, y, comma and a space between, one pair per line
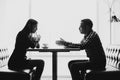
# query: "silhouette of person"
91, 43
24, 40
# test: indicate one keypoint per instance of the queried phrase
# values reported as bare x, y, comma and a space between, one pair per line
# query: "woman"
18, 60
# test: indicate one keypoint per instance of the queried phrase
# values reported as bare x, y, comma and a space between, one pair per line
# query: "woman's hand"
38, 37
37, 45
34, 38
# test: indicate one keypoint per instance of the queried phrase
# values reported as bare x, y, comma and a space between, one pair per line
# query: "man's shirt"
93, 47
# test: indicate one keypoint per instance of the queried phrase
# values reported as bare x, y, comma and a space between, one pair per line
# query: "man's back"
94, 49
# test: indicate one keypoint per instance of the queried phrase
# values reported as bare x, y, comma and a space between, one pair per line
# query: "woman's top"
18, 56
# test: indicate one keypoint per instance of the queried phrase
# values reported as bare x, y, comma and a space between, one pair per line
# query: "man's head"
86, 26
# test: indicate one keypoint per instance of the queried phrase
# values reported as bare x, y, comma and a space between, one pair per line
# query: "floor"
59, 78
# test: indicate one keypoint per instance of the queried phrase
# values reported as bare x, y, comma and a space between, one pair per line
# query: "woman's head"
31, 26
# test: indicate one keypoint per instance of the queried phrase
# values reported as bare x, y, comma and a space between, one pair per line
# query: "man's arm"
71, 45
87, 42
67, 44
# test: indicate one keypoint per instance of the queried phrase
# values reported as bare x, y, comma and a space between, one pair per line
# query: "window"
61, 18
57, 18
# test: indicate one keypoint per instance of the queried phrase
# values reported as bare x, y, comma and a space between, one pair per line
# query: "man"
94, 50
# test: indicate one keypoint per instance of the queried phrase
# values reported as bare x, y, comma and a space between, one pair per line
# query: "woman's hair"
87, 22
29, 25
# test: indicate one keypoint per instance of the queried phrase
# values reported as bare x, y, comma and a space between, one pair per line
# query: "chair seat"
7, 74
110, 73
14, 76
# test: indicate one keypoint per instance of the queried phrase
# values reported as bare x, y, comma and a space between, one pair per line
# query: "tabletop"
54, 49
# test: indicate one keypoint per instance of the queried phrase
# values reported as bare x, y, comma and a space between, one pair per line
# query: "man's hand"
61, 42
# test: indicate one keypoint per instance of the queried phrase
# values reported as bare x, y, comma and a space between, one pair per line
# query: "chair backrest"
4, 56
113, 56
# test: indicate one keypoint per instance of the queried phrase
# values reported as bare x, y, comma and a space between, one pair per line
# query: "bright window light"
61, 18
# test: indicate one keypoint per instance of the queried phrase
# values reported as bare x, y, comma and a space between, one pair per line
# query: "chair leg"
83, 74
32, 74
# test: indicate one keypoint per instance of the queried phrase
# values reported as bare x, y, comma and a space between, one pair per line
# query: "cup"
45, 46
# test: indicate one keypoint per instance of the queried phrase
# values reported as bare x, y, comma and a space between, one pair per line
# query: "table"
54, 57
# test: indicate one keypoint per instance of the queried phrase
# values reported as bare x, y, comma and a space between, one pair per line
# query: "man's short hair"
87, 22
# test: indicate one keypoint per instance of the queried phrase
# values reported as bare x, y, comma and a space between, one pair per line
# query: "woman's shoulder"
20, 35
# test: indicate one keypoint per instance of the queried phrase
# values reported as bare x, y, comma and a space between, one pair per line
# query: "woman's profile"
24, 40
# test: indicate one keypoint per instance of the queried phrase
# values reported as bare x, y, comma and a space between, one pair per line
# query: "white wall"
104, 21
13, 16
56, 18
61, 18
109, 32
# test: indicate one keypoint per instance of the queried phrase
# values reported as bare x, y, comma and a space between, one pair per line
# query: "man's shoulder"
94, 33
